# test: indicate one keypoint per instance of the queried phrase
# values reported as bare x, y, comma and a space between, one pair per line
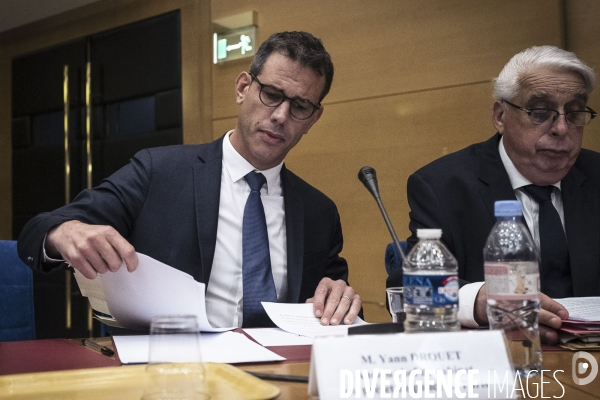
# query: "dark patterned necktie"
256, 260
555, 271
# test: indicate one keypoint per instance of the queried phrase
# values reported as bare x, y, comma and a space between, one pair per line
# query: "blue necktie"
555, 271
256, 264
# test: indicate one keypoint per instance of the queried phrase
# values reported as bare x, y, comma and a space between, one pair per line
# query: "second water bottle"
512, 284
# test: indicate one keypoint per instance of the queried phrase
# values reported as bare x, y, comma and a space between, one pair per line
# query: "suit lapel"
294, 227
581, 210
494, 176
207, 191
582, 226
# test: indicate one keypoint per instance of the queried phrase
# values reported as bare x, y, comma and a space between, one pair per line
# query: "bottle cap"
429, 233
508, 208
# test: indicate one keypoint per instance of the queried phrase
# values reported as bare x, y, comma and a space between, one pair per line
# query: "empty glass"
395, 297
175, 364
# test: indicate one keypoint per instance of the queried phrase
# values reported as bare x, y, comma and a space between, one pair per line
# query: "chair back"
17, 320
393, 259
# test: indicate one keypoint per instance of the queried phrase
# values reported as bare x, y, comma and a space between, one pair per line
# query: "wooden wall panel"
395, 135
387, 47
412, 84
582, 37
221, 126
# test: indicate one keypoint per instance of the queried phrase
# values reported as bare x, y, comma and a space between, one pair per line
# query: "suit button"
30, 259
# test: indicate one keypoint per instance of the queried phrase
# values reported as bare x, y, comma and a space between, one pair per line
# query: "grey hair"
507, 84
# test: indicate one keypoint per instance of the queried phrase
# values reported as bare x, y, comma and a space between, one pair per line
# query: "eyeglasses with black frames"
540, 116
272, 97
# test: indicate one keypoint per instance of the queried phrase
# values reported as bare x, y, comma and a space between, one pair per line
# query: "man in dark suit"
540, 110
185, 205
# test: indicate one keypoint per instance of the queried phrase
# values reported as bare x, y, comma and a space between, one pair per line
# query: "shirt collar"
238, 166
517, 180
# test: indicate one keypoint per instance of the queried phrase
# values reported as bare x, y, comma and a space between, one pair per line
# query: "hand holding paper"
152, 289
335, 302
90, 249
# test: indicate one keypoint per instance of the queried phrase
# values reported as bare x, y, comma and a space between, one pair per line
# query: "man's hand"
90, 249
334, 301
550, 318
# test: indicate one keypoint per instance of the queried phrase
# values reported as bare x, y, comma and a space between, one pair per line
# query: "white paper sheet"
277, 337
154, 288
582, 308
300, 319
226, 347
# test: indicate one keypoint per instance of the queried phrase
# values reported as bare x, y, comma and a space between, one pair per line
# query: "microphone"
368, 177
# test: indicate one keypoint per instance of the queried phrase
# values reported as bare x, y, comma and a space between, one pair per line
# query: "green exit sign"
233, 45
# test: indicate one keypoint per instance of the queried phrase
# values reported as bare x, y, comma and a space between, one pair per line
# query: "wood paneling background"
412, 82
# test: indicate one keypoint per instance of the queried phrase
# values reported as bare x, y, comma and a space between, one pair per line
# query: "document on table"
154, 288
225, 347
300, 319
582, 308
582, 330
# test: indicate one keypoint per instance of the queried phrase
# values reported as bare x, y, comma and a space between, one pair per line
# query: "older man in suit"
199, 208
540, 111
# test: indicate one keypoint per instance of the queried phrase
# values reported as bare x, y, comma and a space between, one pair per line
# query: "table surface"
562, 387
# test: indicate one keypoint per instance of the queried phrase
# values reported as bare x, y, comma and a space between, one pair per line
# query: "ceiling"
14, 13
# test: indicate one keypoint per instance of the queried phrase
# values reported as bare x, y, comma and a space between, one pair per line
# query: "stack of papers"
131, 300
582, 330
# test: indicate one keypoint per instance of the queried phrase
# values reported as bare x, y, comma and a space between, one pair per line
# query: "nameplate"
447, 365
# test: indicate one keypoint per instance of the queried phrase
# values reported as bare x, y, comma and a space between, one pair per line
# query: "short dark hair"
297, 46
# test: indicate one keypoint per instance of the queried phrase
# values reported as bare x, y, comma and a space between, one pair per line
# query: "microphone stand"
368, 177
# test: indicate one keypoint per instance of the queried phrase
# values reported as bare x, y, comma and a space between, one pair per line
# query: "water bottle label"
431, 290
512, 280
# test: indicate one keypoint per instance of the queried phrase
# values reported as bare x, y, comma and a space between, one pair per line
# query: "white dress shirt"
225, 286
224, 291
468, 293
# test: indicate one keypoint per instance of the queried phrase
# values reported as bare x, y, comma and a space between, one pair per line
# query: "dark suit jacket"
165, 202
457, 193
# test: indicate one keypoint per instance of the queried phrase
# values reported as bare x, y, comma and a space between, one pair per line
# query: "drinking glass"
175, 364
395, 297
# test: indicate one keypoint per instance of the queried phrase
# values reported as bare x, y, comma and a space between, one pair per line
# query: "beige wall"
582, 37
412, 83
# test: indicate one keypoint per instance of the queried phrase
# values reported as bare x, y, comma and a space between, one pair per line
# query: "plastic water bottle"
430, 285
512, 284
